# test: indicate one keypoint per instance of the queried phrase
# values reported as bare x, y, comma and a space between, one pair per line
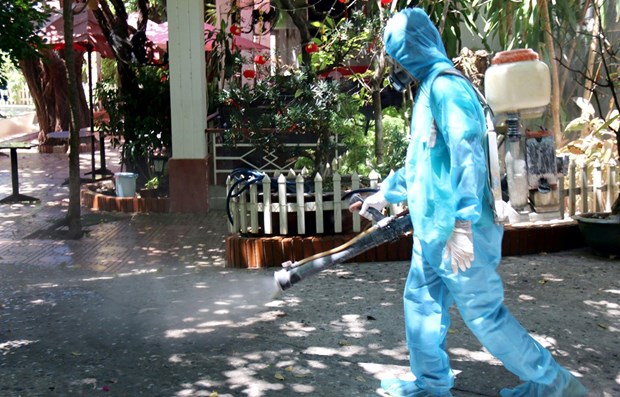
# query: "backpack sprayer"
386, 229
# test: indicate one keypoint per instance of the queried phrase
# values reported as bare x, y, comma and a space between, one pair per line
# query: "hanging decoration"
260, 59
235, 30
249, 74
311, 48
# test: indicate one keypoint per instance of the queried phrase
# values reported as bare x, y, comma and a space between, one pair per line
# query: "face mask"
399, 78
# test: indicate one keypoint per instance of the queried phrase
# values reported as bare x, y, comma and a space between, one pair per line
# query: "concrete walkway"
144, 306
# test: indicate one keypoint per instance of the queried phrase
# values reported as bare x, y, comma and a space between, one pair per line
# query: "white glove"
460, 247
376, 201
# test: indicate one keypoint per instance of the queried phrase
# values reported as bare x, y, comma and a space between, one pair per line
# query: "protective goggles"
399, 77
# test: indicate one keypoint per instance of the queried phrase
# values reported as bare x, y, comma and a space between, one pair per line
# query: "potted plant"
150, 188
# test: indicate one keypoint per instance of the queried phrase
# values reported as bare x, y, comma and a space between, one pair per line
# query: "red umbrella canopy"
87, 33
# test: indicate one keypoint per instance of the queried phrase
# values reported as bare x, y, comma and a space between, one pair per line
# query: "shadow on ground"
182, 330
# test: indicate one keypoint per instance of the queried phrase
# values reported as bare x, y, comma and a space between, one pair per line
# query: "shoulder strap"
481, 98
494, 180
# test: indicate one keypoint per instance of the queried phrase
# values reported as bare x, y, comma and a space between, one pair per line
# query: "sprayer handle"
372, 214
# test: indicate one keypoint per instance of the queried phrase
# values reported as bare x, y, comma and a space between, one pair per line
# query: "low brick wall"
262, 252
102, 202
534, 239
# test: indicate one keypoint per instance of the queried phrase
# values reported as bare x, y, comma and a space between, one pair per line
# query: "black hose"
241, 175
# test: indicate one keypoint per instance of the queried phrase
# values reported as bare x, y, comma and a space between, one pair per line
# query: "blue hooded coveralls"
445, 179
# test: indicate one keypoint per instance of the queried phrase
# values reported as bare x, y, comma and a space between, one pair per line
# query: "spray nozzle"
283, 279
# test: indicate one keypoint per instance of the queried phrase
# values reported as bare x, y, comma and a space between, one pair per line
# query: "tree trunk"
47, 82
74, 211
375, 86
377, 111
555, 80
300, 19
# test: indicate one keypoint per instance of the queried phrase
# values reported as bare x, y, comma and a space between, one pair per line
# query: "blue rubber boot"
564, 385
404, 388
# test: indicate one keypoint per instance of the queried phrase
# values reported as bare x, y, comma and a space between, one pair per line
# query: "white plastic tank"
518, 82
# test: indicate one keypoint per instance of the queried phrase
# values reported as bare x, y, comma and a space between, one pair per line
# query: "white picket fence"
584, 189
589, 189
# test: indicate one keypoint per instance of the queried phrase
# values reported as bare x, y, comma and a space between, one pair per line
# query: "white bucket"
125, 184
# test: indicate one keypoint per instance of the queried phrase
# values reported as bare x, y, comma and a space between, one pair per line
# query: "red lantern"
311, 47
249, 74
260, 60
235, 30
386, 3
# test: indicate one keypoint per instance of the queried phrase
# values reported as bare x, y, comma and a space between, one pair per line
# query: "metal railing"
226, 157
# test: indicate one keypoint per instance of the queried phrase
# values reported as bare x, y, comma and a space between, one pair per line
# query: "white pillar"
188, 88
189, 166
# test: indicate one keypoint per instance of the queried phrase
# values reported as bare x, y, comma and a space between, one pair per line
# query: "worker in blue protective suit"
457, 245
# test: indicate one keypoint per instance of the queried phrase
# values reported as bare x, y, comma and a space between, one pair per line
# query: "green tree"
18, 22
350, 34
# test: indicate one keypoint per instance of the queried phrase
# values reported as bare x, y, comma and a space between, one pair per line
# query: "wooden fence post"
267, 225
572, 186
597, 184
301, 204
243, 210
337, 180
282, 204
612, 184
254, 208
318, 201
355, 185
562, 196
583, 173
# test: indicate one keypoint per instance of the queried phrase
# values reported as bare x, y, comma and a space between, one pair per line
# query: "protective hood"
412, 40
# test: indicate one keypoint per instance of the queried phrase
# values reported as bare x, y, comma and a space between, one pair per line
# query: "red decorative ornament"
386, 3
312, 47
235, 30
249, 74
342, 1
260, 60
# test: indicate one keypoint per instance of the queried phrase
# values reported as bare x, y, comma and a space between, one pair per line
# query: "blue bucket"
125, 184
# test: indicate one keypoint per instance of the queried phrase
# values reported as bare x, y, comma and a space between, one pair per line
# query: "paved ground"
144, 306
